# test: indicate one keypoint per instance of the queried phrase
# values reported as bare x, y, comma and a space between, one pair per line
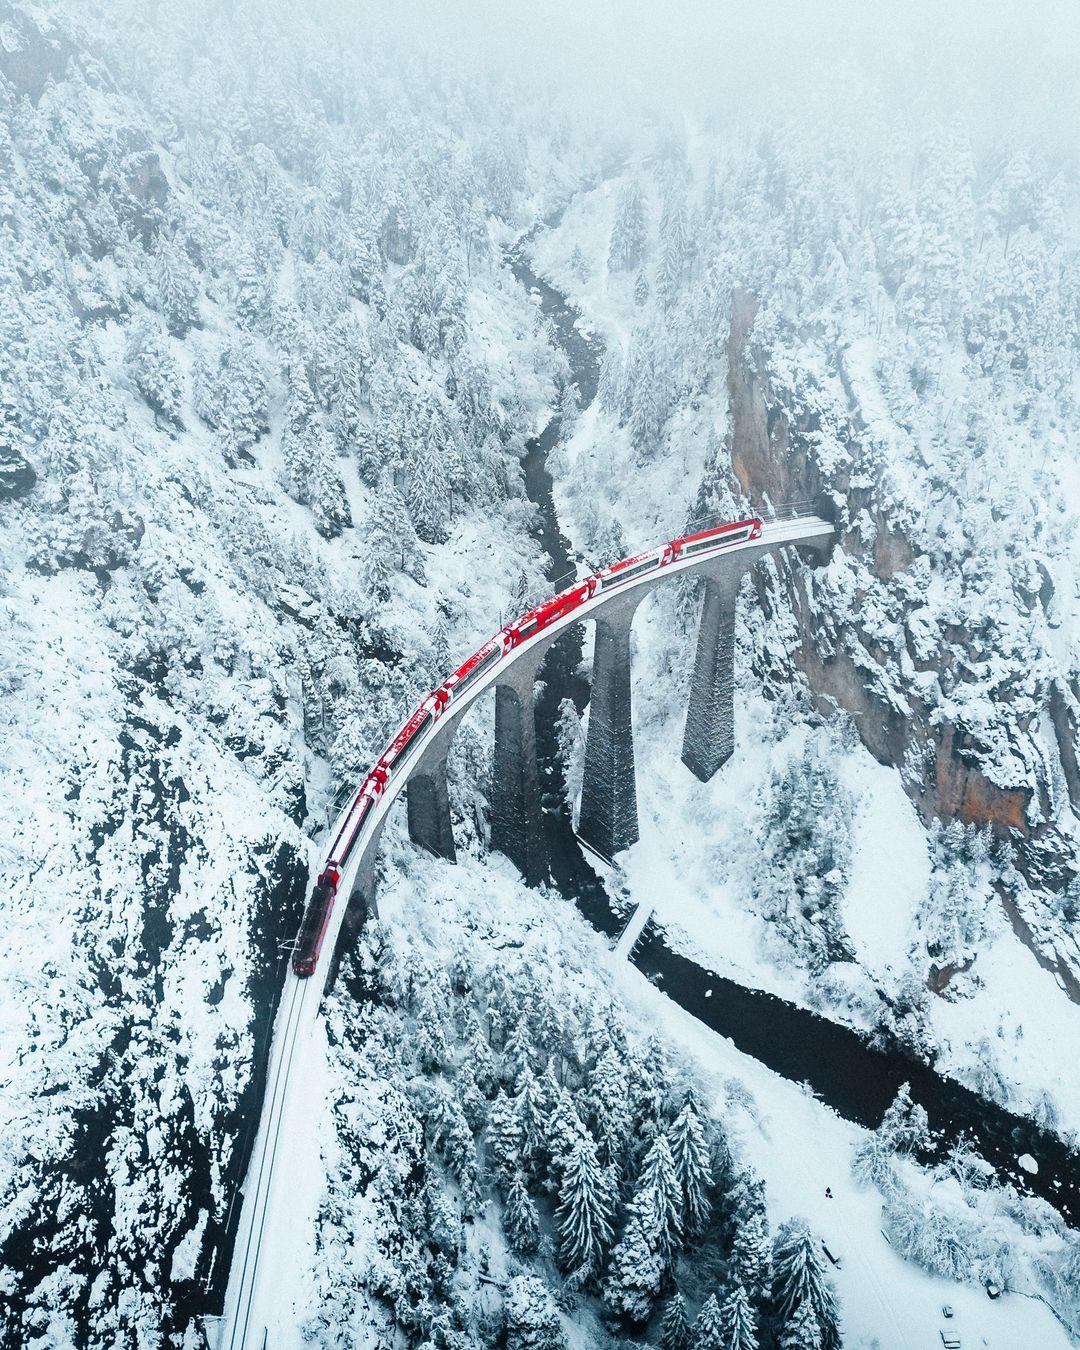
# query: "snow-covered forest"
267, 384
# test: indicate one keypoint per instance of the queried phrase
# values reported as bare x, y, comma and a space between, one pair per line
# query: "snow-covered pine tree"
659, 1198
905, 1127
531, 1120
427, 491
532, 1320
563, 1125
799, 1278
738, 1325
520, 1219
503, 1148
675, 1330
802, 1331
634, 1274
708, 1330
177, 289
693, 1165
152, 369
641, 289
473, 1106
517, 1052
584, 1209
628, 230
751, 1254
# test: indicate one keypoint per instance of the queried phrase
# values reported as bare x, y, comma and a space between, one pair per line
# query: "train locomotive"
413, 734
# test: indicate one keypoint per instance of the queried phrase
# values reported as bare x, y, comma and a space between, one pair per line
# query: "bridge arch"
608, 814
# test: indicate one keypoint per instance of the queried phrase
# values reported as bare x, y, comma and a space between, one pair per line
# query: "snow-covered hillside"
941, 637
266, 384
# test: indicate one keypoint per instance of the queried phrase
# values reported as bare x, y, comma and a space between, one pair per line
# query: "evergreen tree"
801, 1331
584, 1209
176, 288
751, 1254
532, 1321
799, 1278
628, 230
641, 289
153, 370
563, 1126
693, 1166
531, 1120
473, 1105
738, 1325
427, 492
634, 1274
905, 1127
517, 1054
675, 1332
659, 1198
520, 1218
708, 1326
504, 1138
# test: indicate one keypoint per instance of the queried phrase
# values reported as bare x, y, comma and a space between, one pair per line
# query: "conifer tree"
802, 1331
563, 1127
693, 1166
627, 246
532, 1321
708, 1328
634, 1274
905, 1127
584, 1209
751, 1254
799, 1278
738, 1325
520, 1218
530, 1118
473, 1105
504, 1138
517, 1053
659, 1198
176, 288
675, 1331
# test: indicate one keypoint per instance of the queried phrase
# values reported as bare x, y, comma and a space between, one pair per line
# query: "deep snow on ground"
798, 1145
694, 856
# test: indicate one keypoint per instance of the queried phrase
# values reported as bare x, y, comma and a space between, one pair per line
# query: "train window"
715, 540
628, 572
477, 670
526, 626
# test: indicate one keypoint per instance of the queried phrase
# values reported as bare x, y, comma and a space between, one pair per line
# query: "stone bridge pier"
709, 738
517, 823
608, 819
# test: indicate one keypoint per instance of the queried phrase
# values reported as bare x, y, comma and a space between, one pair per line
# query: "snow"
798, 1145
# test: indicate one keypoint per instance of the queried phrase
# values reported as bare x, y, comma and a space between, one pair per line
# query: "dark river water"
856, 1078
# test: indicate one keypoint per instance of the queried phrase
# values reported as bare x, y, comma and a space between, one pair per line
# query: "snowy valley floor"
798, 1145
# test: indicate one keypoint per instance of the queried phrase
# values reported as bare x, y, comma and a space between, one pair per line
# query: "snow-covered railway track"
237, 1324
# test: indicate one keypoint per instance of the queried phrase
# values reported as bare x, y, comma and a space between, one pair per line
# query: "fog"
1012, 71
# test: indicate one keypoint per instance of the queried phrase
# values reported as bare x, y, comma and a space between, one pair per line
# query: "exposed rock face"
943, 770
17, 475
29, 56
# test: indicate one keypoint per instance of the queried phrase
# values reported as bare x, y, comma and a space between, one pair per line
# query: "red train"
412, 735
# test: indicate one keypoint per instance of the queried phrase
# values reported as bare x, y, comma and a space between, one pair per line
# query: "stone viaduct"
608, 820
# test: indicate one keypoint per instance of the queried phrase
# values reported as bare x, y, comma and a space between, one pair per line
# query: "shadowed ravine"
857, 1079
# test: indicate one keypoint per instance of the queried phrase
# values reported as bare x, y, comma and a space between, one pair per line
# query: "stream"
841, 1066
